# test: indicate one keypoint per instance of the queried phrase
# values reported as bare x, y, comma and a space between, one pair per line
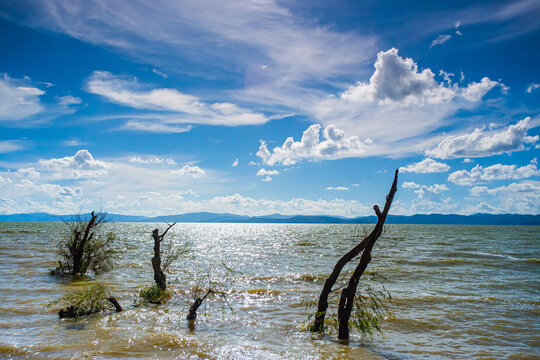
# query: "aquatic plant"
348, 293
89, 300
85, 246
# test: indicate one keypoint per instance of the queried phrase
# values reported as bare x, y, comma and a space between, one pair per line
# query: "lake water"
458, 292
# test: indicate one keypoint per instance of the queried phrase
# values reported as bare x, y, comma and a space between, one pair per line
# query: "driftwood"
346, 300
159, 276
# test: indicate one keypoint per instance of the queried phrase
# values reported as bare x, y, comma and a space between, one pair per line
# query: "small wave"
263, 291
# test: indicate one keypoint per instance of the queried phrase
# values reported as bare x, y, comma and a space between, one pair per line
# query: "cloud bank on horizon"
257, 107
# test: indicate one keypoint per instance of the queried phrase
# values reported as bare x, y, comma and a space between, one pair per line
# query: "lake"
457, 292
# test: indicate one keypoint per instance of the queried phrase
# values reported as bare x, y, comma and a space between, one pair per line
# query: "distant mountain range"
205, 217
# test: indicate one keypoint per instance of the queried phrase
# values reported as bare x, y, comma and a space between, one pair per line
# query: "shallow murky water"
458, 292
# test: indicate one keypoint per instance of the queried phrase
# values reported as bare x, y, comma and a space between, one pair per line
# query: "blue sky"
265, 107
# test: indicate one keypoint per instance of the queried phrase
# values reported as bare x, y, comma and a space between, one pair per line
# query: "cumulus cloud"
400, 107
430, 198
264, 172
479, 174
29, 173
425, 166
185, 108
532, 86
80, 165
19, 99
422, 190
336, 145
441, 39
482, 143
189, 171
153, 160
397, 80
337, 188
521, 197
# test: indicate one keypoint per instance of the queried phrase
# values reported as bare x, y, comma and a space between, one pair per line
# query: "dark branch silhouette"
346, 300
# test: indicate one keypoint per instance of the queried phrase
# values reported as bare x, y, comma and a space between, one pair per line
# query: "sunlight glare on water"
458, 292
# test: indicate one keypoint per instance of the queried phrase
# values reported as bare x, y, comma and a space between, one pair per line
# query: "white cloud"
264, 172
51, 190
235, 163
148, 126
521, 198
80, 165
422, 190
532, 86
4, 181
337, 188
441, 39
266, 179
425, 166
397, 80
189, 108
482, 143
401, 106
430, 198
153, 160
157, 72
69, 100
189, 171
232, 36
73, 142
30, 173
7, 146
18, 99
479, 174
410, 185
337, 145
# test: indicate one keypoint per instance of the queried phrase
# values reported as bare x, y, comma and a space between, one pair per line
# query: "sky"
263, 107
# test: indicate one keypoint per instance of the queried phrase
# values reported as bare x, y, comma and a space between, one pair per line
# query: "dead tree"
159, 276
346, 300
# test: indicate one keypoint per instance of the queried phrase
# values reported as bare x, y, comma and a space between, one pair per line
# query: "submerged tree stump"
159, 276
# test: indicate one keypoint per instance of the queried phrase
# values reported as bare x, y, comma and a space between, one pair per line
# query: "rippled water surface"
458, 292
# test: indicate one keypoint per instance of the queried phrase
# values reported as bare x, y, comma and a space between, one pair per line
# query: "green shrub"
81, 302
86, 246
154, 295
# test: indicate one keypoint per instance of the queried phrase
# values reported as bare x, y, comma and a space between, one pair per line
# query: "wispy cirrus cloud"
169, 106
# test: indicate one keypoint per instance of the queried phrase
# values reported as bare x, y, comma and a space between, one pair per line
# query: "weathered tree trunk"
192, 315
346, 301
159, 276
78, 245
115, 303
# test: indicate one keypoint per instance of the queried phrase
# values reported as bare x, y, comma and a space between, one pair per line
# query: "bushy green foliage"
96, 253
154, 295
88, 300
